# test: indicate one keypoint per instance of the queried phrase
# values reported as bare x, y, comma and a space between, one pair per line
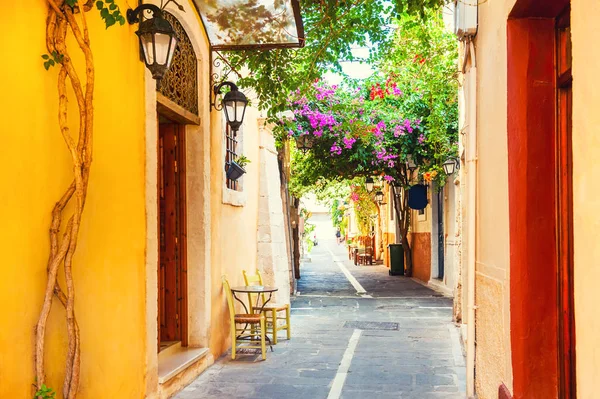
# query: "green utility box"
396, 259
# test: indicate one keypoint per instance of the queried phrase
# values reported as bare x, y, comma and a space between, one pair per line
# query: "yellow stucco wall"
586, 202
109, 264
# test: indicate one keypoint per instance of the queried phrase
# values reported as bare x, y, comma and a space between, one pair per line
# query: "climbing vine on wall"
67, 18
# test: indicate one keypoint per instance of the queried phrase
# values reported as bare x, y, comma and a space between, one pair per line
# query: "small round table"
255, 289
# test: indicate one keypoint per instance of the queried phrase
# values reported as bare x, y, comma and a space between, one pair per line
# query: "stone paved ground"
421, 359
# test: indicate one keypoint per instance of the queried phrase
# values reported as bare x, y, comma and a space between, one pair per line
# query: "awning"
251, 24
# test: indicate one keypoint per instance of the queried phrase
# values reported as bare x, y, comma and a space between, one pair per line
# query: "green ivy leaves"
52, 59
45, 392
110, 13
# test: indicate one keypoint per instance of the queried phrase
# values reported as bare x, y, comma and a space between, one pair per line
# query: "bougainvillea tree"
409, 110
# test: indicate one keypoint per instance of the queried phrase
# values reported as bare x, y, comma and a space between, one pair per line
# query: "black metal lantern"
451, 165
157, 39
397, 190
410, 163
234, 102
369, 184
304, 143
379, 197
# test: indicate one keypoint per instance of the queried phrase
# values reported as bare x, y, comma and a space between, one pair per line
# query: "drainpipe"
472, 214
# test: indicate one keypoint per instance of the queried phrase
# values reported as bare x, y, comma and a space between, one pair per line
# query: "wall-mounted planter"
234, 171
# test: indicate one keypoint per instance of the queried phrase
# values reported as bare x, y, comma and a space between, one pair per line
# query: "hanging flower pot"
234, 171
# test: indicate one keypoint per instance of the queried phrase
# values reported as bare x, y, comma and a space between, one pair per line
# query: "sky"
361, 70
355, 69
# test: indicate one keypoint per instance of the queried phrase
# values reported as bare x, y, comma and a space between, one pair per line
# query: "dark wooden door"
172, 274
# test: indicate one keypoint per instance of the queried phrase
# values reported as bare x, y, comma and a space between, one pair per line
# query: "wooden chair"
270, 310
365, 255
253, 320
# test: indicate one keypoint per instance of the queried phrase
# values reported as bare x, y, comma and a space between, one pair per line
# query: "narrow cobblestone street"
397, 340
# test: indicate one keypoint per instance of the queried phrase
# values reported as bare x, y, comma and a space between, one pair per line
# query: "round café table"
255, 289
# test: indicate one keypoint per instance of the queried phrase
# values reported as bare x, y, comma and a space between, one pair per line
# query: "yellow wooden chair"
270, 310
254, 320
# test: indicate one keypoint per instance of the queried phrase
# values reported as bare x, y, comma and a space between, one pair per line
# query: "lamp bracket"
217, 90
133, 16
220, 69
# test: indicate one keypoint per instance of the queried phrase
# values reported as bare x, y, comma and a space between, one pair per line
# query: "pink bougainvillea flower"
354, 197
336, 149
378, 130
399, 131
349, 142
421, 139
388, 178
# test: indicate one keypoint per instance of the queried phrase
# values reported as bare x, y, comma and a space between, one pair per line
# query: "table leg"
240, 301
262, 309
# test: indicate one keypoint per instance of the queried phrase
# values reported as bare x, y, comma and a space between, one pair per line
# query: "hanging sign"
417, 197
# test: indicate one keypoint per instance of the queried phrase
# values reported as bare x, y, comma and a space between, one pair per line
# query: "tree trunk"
403, 219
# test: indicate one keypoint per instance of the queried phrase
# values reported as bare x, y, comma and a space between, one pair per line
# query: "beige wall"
221, 224
233, 227
586, 201
198, 184
451, 234
492, 334
420, 241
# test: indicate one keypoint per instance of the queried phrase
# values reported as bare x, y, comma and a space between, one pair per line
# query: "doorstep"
176, 359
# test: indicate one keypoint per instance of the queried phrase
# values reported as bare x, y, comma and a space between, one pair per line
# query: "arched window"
180, 83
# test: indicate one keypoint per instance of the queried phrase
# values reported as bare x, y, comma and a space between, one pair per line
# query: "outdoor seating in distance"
240, 334
270, 310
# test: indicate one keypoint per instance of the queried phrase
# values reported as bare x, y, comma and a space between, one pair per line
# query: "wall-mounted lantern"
369, 184
379, 197
234, 102
304, 143
451, 166
397, 190
157, 39
410, 163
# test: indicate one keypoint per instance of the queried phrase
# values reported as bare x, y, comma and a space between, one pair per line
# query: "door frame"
564, 197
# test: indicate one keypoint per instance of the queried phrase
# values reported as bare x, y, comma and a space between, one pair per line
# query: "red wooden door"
172, 271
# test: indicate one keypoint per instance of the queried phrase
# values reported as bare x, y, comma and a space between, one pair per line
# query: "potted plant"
236, 168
